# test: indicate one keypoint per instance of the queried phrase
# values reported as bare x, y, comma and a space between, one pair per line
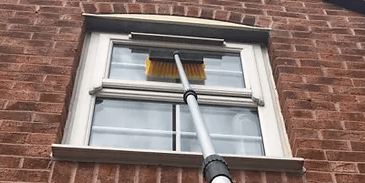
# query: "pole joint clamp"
189, 92
213, 166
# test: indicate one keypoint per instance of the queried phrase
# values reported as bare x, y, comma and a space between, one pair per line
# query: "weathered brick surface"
317, 52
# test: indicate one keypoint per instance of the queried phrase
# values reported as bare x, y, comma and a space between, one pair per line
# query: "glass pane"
226, 62
221, 69
224, 79
130, 114
132, 140
225, 146
224, 120
118, 123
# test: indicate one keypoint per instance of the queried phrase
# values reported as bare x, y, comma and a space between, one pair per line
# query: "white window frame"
91, 82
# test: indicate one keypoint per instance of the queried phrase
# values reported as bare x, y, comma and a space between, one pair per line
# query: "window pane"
225, 146
222, 69
130, 114
224, 120
127, 124
132, 140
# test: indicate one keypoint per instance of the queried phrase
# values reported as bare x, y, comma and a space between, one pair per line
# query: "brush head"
161, 64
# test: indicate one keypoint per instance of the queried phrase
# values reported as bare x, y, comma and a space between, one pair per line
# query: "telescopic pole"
215, 168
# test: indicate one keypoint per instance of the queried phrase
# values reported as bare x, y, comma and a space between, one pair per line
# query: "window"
116, 106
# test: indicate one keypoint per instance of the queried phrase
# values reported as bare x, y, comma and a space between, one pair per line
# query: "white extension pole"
202, 133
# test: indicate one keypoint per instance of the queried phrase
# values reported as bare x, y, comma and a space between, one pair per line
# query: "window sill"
64, 152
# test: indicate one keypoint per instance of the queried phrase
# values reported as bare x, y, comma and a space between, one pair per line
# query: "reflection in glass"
115, 120
225, 146
159, 126
224, 120
222, 69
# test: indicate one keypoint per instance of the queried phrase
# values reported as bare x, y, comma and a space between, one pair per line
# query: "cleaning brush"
161, 64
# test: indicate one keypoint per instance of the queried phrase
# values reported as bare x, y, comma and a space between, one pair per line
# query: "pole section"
215, 168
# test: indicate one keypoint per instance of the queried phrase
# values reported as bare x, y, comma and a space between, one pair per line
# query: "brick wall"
317, 52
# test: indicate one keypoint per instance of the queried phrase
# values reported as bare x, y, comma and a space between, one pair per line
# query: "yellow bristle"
169, 70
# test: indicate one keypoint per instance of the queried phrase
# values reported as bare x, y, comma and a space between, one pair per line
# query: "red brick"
178, 10
352, 107
310, 154
9, 162
134, 8
343, 167
291, 27
350, 38
32, 106
169, 174
282, 47
225, 3
332, 97
317, 23
266, 22
311, 105
343, 13
147, 174
301, 113
15, 115
104, 8
294, 177
317, 49
36, 163
190, 175
221, 15
311, 35
286, 14
47, 118
84, 172
335, 44
20, 77
235, 17
39, 87
252, 177
361, 167
25, 150
345, 178
14, 138
53, 98
273, 177
296, 54
319, 63
107, 173
358, 146
207, 13
340, 116
358, 82
192, 11
312, 165
127, 173
23, 175
266, 7
288, 40
348, 90
41, 139
18, 95
318, 177
45, 69
59, 10
119, 8
62, 171
321, 144
164, 9
357, 126
343, 135
17, 7
62, 61
236, 175
329, 80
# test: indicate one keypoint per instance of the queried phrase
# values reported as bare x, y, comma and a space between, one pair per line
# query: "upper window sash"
106, 41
